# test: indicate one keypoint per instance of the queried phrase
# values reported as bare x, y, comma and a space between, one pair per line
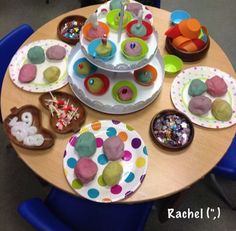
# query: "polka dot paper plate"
134, 162
180, 97
39, 84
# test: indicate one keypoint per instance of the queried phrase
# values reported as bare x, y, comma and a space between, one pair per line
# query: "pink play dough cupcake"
125, 93
113, 148
94, 33
85, 169
216, 86
132, 48
27, 73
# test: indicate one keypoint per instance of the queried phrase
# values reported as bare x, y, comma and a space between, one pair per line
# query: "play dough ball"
199, 105
95, 85
86, 144
138, 30
115, 4
51, 74
112, 173
104, 50
197, 87
56, 52
125, 93
27, 73
113, 148
134, 8
84, 68
36, 55
94, 33
85, 169
132, 48
216, 86
221, 110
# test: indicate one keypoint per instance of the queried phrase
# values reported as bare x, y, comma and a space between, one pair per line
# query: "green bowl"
172, 63
124, 83
111, 19
143, 45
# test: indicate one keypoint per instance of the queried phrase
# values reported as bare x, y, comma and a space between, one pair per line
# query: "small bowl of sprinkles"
171, 130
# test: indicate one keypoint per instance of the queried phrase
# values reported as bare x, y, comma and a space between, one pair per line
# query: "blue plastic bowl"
179, 15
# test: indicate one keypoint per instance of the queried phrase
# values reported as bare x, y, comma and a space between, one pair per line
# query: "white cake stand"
119, 63
106, 103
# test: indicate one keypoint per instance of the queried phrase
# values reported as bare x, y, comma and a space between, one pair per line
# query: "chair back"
85, 215
10, 44
227, 165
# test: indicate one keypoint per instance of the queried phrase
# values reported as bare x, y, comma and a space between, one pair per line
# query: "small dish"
142, 77
88, 26
68, 29
67, 107
172, 63
113, 23
83, 61
98, 79
171, 130
146, 24
25, 122
186, 56
179, 15
124, 84
95, 43
144, 49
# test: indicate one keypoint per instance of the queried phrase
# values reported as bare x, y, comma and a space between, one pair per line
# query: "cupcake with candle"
104, 49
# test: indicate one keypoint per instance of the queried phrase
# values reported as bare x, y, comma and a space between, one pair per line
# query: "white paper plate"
134, 162
39, 84
180, 97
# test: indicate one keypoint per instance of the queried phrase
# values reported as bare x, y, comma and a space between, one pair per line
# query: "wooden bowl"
66, 23
186, 56
75, 125
158, 139
36, 122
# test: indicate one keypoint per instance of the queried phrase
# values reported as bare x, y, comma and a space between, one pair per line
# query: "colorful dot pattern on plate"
39, 84
180, 97
134, 162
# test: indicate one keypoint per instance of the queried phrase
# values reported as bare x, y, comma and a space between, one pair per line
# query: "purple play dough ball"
199, 105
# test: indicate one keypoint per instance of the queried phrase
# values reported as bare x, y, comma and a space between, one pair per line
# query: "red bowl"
146, 24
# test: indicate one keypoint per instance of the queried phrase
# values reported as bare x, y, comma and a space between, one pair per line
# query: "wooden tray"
75, 125
37, 118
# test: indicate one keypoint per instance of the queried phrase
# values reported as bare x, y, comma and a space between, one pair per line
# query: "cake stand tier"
119, 63
106, 103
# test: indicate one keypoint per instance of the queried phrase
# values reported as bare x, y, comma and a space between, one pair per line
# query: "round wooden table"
168, 172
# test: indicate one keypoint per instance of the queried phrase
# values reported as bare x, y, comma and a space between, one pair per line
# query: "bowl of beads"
124, 92
67, 114
188, 40
141, 30
171, 130
68, 29
134, 49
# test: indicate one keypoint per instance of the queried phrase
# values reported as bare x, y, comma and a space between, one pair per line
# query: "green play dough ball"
51, 74
36, 55
138, 30
221, 110
86, 144
95, 85
197, 87
112, 173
